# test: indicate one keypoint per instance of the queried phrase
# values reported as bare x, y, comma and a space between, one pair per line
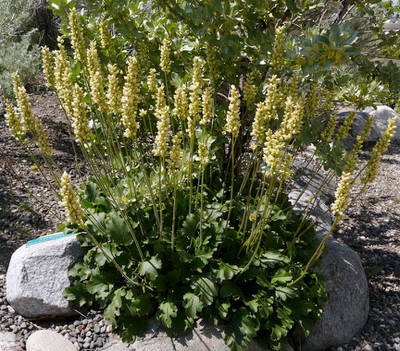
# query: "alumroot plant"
187, 211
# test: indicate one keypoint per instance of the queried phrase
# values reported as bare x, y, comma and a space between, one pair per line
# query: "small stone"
99, 342
86, 345
48, 340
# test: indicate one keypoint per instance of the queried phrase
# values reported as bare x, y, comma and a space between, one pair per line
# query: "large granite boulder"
346, 311
38, 275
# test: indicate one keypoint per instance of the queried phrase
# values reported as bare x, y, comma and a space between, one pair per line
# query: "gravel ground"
372, 228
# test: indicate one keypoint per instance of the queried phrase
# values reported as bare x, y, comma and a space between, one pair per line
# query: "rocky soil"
372, 228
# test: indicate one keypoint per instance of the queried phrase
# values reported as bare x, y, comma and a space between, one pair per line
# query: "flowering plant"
187, 213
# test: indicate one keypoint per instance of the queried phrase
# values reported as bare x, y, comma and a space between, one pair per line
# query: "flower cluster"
47, 67
95, 78
313, 100
24, 107
77, 41
14, 122
165, 63
130, 99
232, 125
62, 77
41, 138
195, 97
181, 103
276, 154
249, 91
22, 119
265, 112
371, 171
70, 201
208, 106
163, 125
114, 94
346, 126
152, 81
105, 37
327, 134
342, 194
80, 122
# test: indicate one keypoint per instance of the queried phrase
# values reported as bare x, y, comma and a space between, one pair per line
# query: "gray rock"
358, 126
38, 275
316, 210
8, 342
48, 340
346, 311
382, 115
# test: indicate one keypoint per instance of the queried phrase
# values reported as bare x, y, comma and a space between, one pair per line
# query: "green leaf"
292, 6
192, 304
166, 312
283, 292
206, 289
278, 332
242, 328
226, 271
281, 276
271, 258
118, 229
149, 268
230, 289
223, 309
278, 215
99, 286
141, 305
190, 225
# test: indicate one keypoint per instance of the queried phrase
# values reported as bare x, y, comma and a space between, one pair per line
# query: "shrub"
187, 213
23, 25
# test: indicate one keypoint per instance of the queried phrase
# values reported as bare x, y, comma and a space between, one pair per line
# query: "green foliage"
18, 57
23, 25
207, 279
328, 35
